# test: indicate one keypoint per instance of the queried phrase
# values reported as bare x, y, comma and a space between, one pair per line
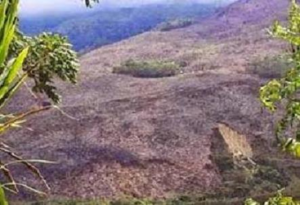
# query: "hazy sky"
56, 6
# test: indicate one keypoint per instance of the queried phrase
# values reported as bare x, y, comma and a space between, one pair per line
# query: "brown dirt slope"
155, 137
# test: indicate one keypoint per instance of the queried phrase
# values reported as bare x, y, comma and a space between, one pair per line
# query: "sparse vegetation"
175, 24
285, 91
270, 67
148, 69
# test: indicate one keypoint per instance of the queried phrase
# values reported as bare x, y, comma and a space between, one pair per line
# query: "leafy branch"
50, 56
41, 59
284, 92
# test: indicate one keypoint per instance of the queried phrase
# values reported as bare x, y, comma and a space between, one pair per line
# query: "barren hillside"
157, 137
228, 41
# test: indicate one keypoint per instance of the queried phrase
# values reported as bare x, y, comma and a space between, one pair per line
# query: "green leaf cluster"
40, 58
284, 92
9, 69
282, 96
50, 56
279, 199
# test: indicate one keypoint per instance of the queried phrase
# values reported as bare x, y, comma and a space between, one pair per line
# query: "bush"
148, 69
175, 24
270, 67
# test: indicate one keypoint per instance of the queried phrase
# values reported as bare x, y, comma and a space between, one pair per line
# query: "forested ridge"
105, 26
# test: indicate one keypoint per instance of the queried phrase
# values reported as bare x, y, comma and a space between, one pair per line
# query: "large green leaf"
8, 11
2, 197
3, 8
10, 80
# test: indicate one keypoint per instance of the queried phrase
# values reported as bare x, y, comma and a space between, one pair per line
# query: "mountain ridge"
104, 26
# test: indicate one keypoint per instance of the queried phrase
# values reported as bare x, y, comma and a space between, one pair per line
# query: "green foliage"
49, 56
8, 13
9, 79
270, 67
2, 197
175, 24
148, 69
279, 199
38, 58
283, 92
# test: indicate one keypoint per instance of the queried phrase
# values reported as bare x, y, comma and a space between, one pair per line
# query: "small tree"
40, 59
283, 95
284, 92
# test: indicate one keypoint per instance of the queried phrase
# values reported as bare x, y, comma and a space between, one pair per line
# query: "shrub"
148, 69
270, 67
175, 24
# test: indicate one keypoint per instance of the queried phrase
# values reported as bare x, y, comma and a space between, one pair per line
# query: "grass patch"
148, 69
175, 24
270, 67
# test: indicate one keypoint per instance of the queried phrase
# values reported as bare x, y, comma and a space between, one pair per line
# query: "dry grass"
238, 144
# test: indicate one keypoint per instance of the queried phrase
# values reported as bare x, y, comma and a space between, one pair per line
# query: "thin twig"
31, 167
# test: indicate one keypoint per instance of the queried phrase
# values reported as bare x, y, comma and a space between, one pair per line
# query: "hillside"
157, 138
228, 40
109, 25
